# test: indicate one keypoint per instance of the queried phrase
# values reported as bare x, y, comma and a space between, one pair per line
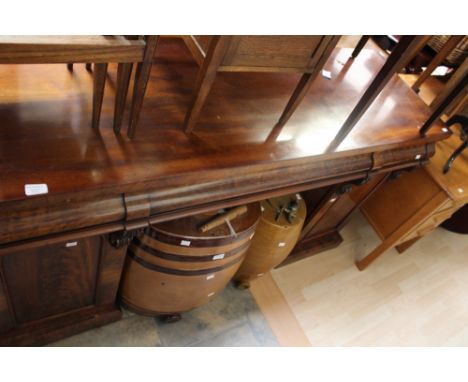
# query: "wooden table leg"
404, 229
99, 81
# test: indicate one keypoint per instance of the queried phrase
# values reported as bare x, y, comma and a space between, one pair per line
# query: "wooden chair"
450, 45
99, 50
405, 50
295, 54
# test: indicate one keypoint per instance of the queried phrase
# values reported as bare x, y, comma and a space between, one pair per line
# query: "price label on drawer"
36, 189
218, 257
185, 243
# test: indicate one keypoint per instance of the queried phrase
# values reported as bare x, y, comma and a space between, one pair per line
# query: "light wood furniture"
405, 209
99, 50
276, 235
295, 54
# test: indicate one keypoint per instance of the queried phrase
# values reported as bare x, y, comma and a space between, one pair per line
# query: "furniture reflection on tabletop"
105, 189
99, 50
293, 54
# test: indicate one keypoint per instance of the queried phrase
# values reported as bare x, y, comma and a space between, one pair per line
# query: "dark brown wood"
103, 186
141, 82
300, 54
54, 290
437, 60
124, 72
361, 43
205, 78
69, 49
306, 80
100, 72
399, 57
459, 88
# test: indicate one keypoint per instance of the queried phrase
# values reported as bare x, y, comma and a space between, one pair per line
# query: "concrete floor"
231, 319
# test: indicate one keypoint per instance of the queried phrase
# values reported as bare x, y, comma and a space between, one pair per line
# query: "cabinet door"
6, 321
52, 279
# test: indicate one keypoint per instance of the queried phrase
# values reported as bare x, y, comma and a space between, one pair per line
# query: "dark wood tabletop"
235, 155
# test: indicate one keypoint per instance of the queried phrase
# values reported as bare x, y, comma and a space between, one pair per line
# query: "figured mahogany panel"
6, 321
52, 279
110, 270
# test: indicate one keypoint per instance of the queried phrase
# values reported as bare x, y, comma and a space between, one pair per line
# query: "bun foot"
171, 318
242, 285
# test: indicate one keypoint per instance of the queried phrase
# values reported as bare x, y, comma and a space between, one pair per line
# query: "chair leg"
299, 93
99, 80
205, 79
362, 42
88, 67
142, 75
124, 72
70, 67
437, 60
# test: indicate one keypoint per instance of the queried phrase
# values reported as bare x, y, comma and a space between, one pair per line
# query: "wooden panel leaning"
174, 267
276, 235
296, 54
99, 50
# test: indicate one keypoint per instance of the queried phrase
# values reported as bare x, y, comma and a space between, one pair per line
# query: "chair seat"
65, 49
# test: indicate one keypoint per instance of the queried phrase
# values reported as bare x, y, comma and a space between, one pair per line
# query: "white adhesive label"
445, 130
35, 189
209, 277
298, 196
210, 294
185, 243
251, 236
263, 209
218, 257
417, 157
460, 190
332, 200
326, 74
282, 244
71, 244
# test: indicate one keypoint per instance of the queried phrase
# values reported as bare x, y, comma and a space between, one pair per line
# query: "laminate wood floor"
418, 298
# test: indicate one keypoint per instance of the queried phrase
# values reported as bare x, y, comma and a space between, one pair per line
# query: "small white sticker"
211, 294
251, 236
282, 244
445, 130
218, 257
326, 74
185, 243
417, 157
298, 196
332, 200
460, 190
263, 209
36, 189
209, 277
71, 244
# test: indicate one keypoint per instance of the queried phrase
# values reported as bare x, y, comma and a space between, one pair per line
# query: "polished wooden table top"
46, 137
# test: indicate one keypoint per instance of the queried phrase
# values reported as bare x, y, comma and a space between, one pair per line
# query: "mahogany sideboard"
61, 254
